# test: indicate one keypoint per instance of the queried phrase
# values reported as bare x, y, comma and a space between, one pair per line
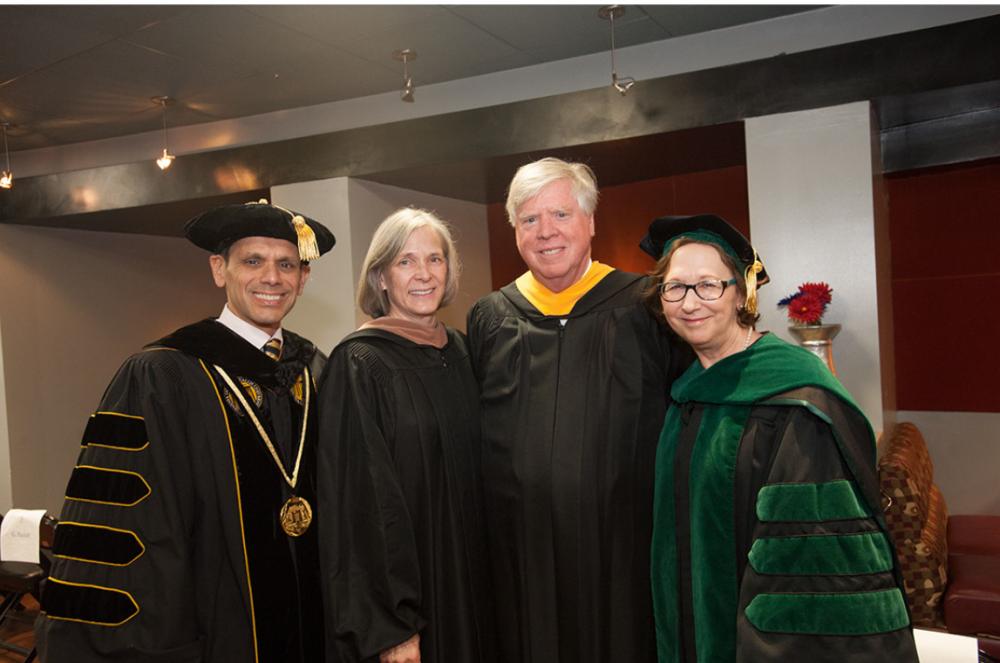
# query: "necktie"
273, 349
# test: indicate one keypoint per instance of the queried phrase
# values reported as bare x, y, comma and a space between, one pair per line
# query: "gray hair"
531, 178
387, 243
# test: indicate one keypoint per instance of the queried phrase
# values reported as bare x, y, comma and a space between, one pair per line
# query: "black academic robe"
169, 546
399, 485
571, 417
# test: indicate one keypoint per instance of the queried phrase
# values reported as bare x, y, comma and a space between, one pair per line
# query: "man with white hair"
575, 377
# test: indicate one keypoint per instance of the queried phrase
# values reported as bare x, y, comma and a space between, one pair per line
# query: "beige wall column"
353, 209
372, 202
325, 311
813, 218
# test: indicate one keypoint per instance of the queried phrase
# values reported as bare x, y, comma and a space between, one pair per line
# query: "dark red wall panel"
945, 243
505, 262
945, 222
946, 332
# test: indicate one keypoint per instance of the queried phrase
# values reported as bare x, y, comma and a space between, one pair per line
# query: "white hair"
531, 178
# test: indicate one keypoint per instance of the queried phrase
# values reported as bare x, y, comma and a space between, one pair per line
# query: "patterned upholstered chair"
917, 518
950, 565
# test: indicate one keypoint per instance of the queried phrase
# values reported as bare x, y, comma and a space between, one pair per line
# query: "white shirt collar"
252, 335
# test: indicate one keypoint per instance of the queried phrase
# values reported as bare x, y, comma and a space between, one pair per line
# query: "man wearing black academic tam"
188, 531
575, 376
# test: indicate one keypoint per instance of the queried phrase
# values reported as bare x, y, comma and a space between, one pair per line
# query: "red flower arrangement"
807, 306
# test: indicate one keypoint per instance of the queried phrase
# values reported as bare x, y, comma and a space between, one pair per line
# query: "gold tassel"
751, 278
308, 250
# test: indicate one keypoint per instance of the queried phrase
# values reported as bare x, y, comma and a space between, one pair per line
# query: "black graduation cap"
218, 228
711, 229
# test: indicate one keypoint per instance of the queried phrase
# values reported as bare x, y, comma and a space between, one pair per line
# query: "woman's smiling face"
705, 325
416, 278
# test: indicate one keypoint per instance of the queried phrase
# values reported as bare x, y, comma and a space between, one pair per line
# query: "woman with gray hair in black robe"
402, 541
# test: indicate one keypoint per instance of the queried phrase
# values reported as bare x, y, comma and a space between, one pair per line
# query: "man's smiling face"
263, 277
553, 236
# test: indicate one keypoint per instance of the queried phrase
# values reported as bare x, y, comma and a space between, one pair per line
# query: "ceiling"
78, 73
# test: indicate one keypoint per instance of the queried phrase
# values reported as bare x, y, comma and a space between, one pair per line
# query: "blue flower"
789, 299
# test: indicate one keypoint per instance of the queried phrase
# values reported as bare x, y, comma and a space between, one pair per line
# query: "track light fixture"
621, 83
404, 56
166, 159
7, 176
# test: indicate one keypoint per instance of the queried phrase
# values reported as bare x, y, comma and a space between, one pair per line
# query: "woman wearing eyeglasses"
768, 539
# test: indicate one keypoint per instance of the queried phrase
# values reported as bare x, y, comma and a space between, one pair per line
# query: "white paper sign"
935, 647
19, 535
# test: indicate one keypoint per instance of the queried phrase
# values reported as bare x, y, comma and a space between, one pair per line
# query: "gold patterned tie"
273, 349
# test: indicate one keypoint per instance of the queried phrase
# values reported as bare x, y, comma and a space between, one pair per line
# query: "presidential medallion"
297, 390
253, 390
296, 516
231, 402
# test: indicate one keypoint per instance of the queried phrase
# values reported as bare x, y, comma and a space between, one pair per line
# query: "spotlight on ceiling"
166, 159
621, 83
6, 176
406, 55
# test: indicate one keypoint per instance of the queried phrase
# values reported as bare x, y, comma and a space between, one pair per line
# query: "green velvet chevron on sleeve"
810, 502
826, 554
859, 613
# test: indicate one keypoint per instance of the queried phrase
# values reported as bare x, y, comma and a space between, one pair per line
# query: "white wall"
75, 305
965, 450
812, 218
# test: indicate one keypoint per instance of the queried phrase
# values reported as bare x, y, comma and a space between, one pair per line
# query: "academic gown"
571, 416
169, 547
769, 543
403, 534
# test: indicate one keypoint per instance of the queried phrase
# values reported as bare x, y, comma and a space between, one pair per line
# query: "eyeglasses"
708, 290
